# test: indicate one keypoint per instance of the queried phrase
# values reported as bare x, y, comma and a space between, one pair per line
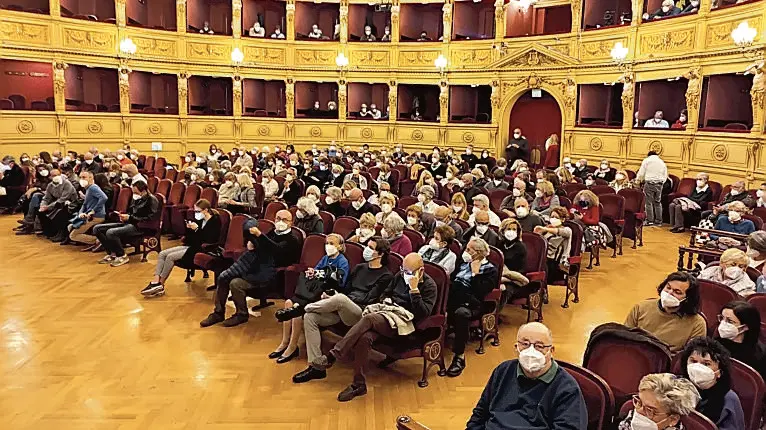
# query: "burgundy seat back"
328, 220
393, 180
496, 197
159, 165
495, 257
19, 101
6, 104
712, 298
344, 225
572, 189
715, 188
225, 217
354, 254
602, 189
123, 200
163, 187
271, 210
755, 219
612, 206
759, 301
749, 386
152, 182
176, 193
406, 201
416, 238
394, 263
235, 237
724, 192
577, 235
693, 421
155, 223
536, 252
599, 399
403, 170
313, 249
149, 163
191, 195
686, 186
210, 194
265, 226
634, 200
441, 278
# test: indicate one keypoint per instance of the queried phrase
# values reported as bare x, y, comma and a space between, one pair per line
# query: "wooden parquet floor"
81, 349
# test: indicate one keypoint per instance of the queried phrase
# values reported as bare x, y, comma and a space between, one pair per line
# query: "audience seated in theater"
437, 250
366, 283
707, 364
437, 168
731, 272
206, 29
662, 400
387, 202
559, 240
426, 178
411, 295
392, 230
680, 124
474, 278
590, 180
514, 255
479, 178
621, 181
532, 391
144, 207
90, 164
386, 34
565, 176
366, 230
229, 190
375, 113
469, 157
426, 199
130, 175
443, 216
32, 198
481, 204
668, 8
739, 331
204, 230
528, 219
277, 34
452, 178
307, 216
244, 160
91, 213
265, 253
420, 221
498, 181
256, 30
469, 188
383, 189
53, 212
674, 318
581, 169
738, 193
291, 190
333, 203
368, 36
693, 203
657, 121
545, 199
605, 172
357, 177
330, 274
316, 32
480, 228
733, 222
246, 198
359, 204
460, 207
756, 250
270, 185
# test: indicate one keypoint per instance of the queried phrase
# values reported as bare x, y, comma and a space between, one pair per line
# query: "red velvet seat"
613, 216
270, 213
572, 189
735, 126
759, 301
163, 187
496, 198
174, 198
179, 213
311, 252
88, 107
634, 215
572, 278
487, 322
600, 190
712, 298
344, 225
225, 217
535, 271
6, 104
328, 220
152, 183
354, 253
39, 105
159, 167
19, 101
210, 194
416, 238
599, 399
122, 199
751, 389
406, 201
150, 239
693, 421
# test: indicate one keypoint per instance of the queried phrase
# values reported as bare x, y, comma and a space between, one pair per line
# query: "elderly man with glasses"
532, 392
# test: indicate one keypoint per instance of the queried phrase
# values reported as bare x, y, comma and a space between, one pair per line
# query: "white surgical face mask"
467, 257
538, 193
733, 272
555, 222
481, 228
58, 180
700, 183
365, 232
300, 215
531, 359
604, 166
516, 135
199, 216
136, 196
522, 211
589, 182
640, 422
734, 216
86, 161
434, 244
619, 176
386, 208
281, 226
229, 183
43, 173
187, 159
421, 198
702, 376
358, 204
516, 192
329, 200
83, 183
330, 249
727, 330
735, 192
668, 300
457, 208
411, 220
368, 253
510, 235
759, 193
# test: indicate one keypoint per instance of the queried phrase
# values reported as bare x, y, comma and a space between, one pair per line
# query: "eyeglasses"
523, 344
647, 411
722, 318
281, 219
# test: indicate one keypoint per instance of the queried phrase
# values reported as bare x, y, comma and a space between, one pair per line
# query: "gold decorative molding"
418, 58
467, 137
366, 133
598, 50
154, 128
258, 54
720, 152
656, 146
89, 40
123, 75
462, 58
210, 129
11, 31
667, 41
596, 144
315, 131
264, 130
417, 134
314, 57
95, 127
720, 34
206, 51
25, 126
151, 47
370, 58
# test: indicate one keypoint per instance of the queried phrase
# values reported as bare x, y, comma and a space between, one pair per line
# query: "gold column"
55, 7
758, 95
693, 97
395, 22
443, 102
638, 7
447, 21
236, 18
183, 94
705, 6
120, 13
342, 98
290, 97
392, 101
124, 77
343, 22
181, 16
59, 86
499, 20
576, 14
290, 17
495, 101
628, 92
237, 95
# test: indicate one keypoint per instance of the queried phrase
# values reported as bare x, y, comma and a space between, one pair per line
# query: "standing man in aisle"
517, 149
653, 173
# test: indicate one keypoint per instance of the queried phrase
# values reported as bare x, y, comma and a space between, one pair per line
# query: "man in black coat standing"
518, 148
11, 175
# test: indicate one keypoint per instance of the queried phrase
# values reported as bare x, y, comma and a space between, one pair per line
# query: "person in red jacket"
585, 210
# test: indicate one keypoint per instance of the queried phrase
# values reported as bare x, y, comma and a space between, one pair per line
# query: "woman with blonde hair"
451, 178
662, 399
426, 178
313, 193
387, 203
621, 181
479, 178
565, 176
586, 211
332, 202
460, 207
246, 198
365, 231
347, 187
731, 272
552, 140
545, 198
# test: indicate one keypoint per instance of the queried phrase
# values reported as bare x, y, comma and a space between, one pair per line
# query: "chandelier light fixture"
441, 63
127, 46
341, 60
237, 56
744, 35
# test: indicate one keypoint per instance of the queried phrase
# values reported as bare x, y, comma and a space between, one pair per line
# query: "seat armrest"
433, 321
494, 295
575, 260
535, 276
673, 196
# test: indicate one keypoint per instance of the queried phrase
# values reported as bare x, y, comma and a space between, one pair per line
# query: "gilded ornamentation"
495, 96
264, 130
88, 40
366, 133
686, 147
569, 88
59, 84
155, 47
656, 146
471, 57
181, 13
752, 153
720, 152
183, 97
120, 12
206, 51
95, 127
597, 50
417, 134
25, 127
370, 58
257, 54
468, 137
315, 131
314, 57
668, 41
237, 93
23, 32
758, 90
561, 49
290, 98
418, 58
720, 34
447, 19
154, 128
124, 82
694, 88
596, 144
210, 129
628, 91
532, 59
343, 18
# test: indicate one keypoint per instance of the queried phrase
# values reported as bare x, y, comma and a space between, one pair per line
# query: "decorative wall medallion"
95, 127
720, 152
468, 137
210, 129
264, 130
366, 133
596, 144
417, 134
656, 146
25, 127
155, 128
315, 131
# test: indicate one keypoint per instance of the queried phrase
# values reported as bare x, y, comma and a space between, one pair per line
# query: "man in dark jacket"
517, 148
11, 175
143, 208
265, 253
532, 392
359, 205
737, 193
481, 230
320, 177
411, 289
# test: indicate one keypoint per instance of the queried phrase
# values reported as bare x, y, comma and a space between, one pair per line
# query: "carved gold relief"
667, 41
720, 34
210, 129
314, 57
418, 58
25, 127
22, 32
257, 54
720, 152
155, 47
532, 59
597, 50
561, 49
471, 57
656, 146
596, 144
264, 130
366, 133
88, 39
206, 51
468, 137
95, 127
315, 131
369, 58
417, 134
154, 128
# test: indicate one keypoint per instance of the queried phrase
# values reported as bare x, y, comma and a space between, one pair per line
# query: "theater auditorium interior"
383, 214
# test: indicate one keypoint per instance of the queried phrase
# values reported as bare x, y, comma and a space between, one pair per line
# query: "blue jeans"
111, 235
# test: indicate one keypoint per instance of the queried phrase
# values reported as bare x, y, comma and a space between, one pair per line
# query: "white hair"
307, 205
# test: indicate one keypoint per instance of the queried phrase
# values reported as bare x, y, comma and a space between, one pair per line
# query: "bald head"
535, 332
284, 215
482, 217
355, 194
442, 213
412, 262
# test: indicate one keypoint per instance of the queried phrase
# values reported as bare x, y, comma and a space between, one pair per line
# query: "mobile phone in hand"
330, 292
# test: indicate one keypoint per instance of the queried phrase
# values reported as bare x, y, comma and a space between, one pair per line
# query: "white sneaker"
106, 260
119, 261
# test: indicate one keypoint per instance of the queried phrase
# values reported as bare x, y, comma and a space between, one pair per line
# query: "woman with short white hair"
426, 195
307, 216
313, 193
387, 203
392, 230
731, 272
270, 185
662, 400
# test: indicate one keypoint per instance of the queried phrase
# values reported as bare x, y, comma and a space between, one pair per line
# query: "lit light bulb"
341, 60
127, 46
440, 62
619, 52
237, 55
744, 35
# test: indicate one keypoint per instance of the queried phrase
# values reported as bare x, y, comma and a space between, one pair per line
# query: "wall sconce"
341, 60
743, 37
237, 56
619, 53
441, 63
127, 46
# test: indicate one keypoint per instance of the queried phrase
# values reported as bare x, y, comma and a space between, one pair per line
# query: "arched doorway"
538, 118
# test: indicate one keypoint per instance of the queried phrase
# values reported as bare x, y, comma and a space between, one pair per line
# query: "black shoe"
386, 362
211, 319
152, 288
66, 241
24, 232
58, 238
352, 391
309, 374
457, 367
283, 315
277, 354
235, 320
284, 359
677, 230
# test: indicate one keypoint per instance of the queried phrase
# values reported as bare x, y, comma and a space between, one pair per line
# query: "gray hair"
394, 224
480, 245
704, 176
307, 205
428, 190
8, 159
757, 240
200, 173
677, 395
481, 198
335, 193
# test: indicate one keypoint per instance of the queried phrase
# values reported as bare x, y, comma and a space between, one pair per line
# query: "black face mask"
583, 203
